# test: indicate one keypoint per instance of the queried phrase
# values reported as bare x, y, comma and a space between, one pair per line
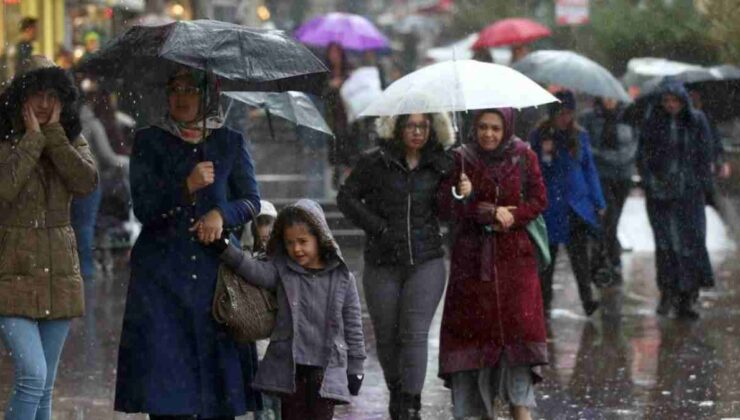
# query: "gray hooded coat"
343, 342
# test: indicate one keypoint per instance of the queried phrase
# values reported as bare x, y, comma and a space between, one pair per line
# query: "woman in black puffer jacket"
391, 196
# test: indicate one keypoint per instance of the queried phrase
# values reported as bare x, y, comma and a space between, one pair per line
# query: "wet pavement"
629, 366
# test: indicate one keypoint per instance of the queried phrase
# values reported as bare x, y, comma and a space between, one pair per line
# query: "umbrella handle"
456, 195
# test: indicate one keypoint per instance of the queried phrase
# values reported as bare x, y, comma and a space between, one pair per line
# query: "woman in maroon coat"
493, 330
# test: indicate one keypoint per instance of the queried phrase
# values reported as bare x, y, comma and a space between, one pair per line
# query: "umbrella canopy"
458, 86
719, 87
463, 50
352, 32
293, 106
360, 89
511, 31
698, 77
244, 58
572, 71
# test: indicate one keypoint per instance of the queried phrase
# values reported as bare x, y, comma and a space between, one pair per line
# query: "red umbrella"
511, 31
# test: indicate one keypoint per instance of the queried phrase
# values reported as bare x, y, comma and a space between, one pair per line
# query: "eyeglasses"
183, 90
412, 127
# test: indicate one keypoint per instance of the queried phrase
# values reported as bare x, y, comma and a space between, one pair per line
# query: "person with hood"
674, 159
391, 195
614, 146
317, 348
44, 162
493, 335
575, 200
188, 186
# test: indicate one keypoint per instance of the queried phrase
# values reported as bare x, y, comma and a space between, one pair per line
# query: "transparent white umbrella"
458, 85
461, 85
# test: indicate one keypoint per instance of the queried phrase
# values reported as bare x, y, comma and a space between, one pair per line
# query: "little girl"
316, 352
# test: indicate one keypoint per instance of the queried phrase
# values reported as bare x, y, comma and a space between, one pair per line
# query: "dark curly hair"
27, 84
294, 215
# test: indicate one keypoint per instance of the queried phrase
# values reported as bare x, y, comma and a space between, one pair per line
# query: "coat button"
164, 216
192, 220
193, 257
295, 303
195, 276
195, 150
47, 312
46, 270
178, 208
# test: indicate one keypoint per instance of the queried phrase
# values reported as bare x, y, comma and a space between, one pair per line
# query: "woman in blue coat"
575, 200
174, 360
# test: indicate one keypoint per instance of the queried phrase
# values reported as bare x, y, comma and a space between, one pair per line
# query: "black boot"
394, 400
410, 407
666, 303
684, 307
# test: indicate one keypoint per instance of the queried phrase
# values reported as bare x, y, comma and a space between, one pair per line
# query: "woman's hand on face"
209, 228
201, 176
504, 217
29, 119
56, 112
464, 187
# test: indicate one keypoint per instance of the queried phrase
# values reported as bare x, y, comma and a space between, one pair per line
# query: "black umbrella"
719, 87
243, 58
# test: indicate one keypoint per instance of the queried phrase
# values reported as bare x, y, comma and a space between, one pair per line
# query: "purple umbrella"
352, 32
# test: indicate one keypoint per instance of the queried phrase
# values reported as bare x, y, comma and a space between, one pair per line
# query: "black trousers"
615, 194
578, 254
306, 403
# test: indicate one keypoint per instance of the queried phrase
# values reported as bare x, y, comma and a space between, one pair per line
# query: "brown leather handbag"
247, 311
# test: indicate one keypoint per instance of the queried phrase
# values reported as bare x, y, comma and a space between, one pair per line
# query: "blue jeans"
84, 213
35, 347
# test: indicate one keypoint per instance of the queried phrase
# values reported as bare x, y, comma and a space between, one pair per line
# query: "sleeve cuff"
232, 256
355, 366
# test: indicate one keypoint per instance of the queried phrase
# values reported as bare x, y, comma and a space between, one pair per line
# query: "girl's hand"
504, 217
29, 119
209, 228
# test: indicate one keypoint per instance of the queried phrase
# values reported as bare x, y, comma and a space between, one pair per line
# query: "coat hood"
41, 74
671, 86
441, 124
313, 212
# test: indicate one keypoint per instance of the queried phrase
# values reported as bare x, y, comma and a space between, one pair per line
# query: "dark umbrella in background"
296, 107
719, 86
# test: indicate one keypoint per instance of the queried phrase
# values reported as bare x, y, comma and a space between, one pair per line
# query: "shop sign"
571, 12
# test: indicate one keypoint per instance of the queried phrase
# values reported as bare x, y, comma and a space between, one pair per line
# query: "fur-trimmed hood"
42, 75
441, 124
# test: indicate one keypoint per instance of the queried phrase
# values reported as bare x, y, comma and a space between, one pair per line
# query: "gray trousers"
402, 302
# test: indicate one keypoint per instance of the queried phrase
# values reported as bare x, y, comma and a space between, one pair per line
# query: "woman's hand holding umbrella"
464, 187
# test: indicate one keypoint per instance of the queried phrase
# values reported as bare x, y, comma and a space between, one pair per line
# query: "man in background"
24, 47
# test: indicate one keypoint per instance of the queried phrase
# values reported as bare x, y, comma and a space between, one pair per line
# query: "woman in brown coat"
43, 163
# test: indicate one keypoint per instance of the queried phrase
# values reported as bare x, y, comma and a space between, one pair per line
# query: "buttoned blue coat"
173, 357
